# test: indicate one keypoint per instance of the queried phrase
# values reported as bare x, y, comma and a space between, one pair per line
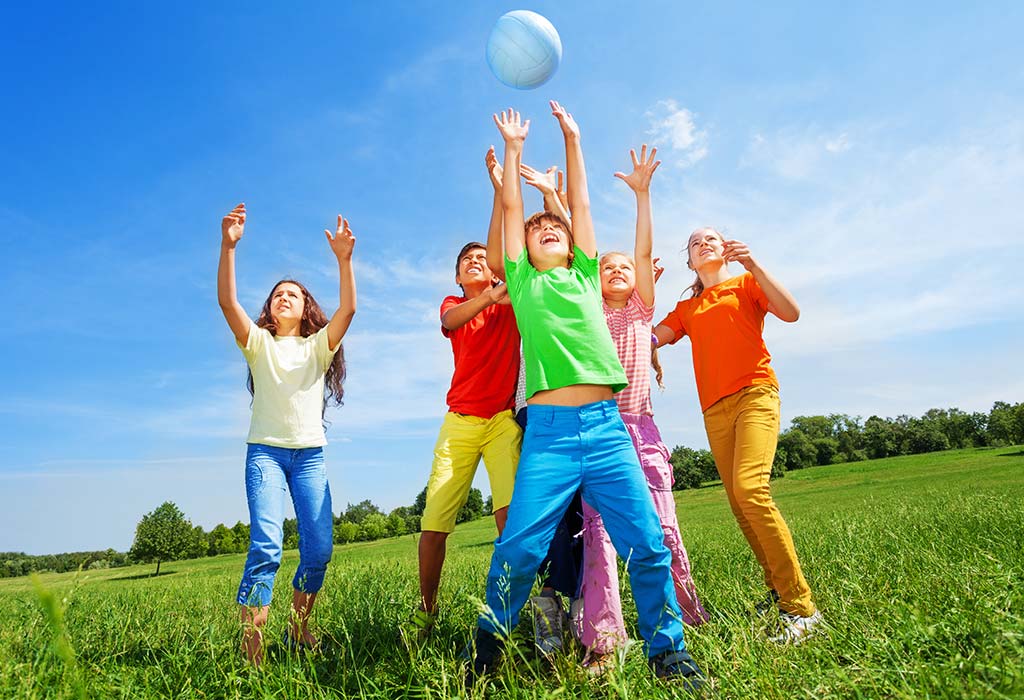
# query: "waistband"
547, 412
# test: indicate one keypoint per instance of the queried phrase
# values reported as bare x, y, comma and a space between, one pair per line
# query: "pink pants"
599, 624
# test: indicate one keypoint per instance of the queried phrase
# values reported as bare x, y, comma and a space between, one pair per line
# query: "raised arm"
780, 301
547, 184
342, 244
495, 250
640, 182
513, 131
576, 182
458, 316
231, 229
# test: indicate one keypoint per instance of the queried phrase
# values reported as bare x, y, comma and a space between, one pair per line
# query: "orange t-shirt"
725, 324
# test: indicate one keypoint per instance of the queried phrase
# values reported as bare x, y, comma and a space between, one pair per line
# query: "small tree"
164, 534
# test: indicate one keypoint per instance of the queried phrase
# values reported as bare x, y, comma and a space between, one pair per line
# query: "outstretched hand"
232, 226
543, 181
343, 241
659, 270
569, 126
494, 169
739, 252
511, 126
643, 168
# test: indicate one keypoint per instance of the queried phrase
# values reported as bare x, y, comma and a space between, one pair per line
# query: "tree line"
818, 440
165, 534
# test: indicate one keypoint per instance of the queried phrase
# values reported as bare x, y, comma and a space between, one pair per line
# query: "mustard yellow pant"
743, 431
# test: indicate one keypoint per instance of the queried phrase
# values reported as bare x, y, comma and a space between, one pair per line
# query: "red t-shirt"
486, 353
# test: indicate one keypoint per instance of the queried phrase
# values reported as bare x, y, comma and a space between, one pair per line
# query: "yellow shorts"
461, 443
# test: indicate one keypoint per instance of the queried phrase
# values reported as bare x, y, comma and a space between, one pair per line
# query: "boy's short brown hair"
538, 218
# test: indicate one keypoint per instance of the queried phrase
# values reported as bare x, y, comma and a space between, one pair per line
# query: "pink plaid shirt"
630, 327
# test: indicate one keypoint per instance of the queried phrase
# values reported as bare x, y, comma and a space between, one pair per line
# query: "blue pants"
566, 448
269, 472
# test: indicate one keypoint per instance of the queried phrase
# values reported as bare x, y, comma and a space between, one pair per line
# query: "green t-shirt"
565, 337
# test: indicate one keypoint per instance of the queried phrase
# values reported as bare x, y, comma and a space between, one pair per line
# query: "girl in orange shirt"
739, 395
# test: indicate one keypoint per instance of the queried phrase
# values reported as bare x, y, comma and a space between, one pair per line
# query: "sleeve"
674, 320
638, 308
447, 304
585, 264
321, 346
514, 270
755, 293
254, 343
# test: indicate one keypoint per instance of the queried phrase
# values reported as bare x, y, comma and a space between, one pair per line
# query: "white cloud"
427, 69
904, 254
795, 153
676, 126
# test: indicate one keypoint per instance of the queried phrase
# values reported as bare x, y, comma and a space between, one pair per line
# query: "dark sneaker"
768, 604
485, 658
678, 666
548, 620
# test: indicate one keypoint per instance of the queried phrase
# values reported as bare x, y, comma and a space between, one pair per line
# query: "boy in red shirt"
479, 422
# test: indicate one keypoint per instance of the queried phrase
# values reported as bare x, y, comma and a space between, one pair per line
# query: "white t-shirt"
288, 376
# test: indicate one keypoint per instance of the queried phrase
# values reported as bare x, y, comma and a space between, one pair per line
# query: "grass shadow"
1018, 453
139, 577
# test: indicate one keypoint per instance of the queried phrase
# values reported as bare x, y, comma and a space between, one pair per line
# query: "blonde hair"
698, 287
659, 373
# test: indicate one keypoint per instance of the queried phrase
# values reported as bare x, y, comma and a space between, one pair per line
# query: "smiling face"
548, 241
704, 249
287, 303
471, 268
618, 276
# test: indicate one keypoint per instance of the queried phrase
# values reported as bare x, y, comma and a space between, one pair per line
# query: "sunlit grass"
917, 563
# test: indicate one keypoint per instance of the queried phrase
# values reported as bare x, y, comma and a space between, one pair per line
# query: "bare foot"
252, 645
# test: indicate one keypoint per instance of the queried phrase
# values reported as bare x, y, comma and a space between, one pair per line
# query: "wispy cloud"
428, 68
796, 153
676, 126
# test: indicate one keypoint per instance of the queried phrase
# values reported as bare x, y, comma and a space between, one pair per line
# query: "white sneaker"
547, 623
797, 629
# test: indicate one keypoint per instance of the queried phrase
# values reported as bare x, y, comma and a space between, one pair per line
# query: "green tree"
345, 532
396, 522
222, 540
799, 449
473, 508
373, 527
162, 535
358, 513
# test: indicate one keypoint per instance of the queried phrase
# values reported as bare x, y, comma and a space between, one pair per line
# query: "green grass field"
917, 563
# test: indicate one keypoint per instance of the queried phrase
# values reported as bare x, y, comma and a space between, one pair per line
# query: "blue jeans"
269, 471
566, 448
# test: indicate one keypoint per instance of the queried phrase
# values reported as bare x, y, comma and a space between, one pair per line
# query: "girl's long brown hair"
313, 319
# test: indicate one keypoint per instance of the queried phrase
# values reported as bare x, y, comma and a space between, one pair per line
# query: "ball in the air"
523, 50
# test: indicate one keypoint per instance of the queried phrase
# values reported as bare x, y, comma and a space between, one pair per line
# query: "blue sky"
872, 157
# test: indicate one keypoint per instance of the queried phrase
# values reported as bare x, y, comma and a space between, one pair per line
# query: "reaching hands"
544, 181
569, 126
512, 128
658, 269
640, 179
343, 241
232, 226
739, 252
494, 169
